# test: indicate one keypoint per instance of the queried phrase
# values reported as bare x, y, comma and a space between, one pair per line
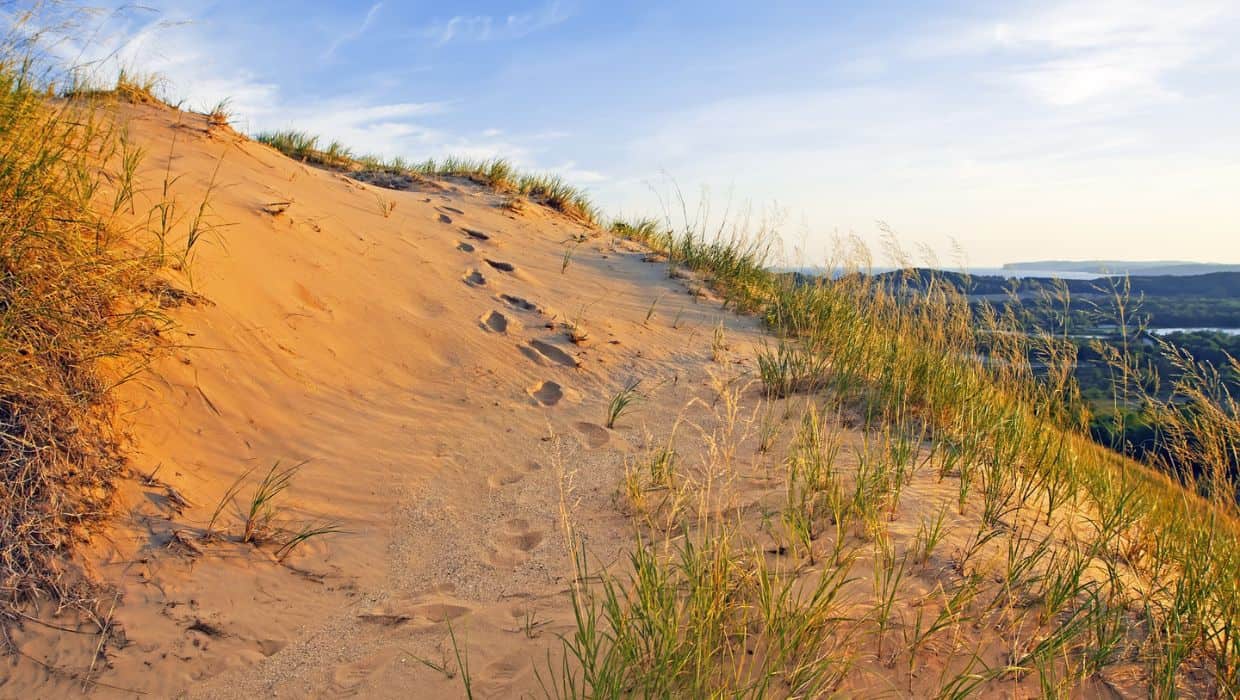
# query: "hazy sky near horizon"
1017, 130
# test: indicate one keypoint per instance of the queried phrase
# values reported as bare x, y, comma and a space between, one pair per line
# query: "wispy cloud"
181, 49
570, 171
1013, 127
490, 28
1073, 53
355, 34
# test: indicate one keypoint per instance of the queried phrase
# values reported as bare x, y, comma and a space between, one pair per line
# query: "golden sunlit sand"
421, 436
419, 363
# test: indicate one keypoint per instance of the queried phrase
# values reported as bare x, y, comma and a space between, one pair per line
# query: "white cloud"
569, 171
180, 48
489, 28
1130, 74
355, 34
1073, 53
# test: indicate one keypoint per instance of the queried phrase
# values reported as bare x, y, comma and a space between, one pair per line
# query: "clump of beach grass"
76, 321
622, 402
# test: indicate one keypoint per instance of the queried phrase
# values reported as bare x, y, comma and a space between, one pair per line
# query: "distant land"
1208, 302
1147, 268
1212, 285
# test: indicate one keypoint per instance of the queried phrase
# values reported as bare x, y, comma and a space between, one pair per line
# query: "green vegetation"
1192, 301
75, 318
939, 382
304, 147
1075, 556
622, 402
131, 86
81, 293
496, 173
1128, 376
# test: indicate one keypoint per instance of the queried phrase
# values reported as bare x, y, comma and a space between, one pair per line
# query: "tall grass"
983, 401
135, 87
1145, 570
74, 321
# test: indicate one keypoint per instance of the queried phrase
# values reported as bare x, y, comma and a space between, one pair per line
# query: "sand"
442, 379
417, 361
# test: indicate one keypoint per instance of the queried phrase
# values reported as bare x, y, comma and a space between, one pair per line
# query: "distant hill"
1123, 267
1225, 285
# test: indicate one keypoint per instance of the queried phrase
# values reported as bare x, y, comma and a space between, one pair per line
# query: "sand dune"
434, 387
417, 361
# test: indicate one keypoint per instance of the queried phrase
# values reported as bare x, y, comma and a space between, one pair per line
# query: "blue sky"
1011, 130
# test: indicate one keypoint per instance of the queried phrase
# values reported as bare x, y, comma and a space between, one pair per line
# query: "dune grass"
1148, 575
1080, 557
919, 366
75, 319
83, 281
622, 402
496, 173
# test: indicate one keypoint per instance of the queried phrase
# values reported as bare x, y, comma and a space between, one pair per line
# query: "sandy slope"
416, 358
438, 403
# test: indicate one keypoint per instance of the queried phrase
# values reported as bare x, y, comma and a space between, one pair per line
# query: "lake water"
1165, 331
976, 272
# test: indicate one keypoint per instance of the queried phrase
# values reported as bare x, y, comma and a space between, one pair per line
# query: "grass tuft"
622, 402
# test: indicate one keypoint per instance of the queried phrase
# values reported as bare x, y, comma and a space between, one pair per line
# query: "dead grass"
74, 321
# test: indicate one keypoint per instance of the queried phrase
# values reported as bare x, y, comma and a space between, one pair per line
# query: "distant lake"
974, 271
1165, 331
1021, 274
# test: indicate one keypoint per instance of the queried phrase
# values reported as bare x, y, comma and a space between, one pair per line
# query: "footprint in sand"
270, 647
399, 612
464, 247
496, 322
309, 299
501, 265
504, 477
445, 219
519, 303
514, 542
475, 279
595, 435
348, 679
553, 353
439, 612
454, 210
531, 355
547, 393
501, 673
476, 234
